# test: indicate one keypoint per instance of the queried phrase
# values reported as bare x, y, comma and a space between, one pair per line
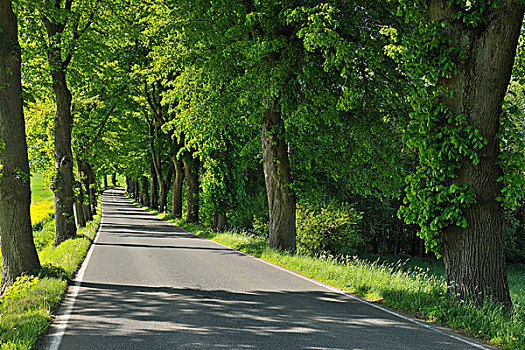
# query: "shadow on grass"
81, 235
51, 271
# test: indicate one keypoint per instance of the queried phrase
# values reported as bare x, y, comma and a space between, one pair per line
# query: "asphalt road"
151, 285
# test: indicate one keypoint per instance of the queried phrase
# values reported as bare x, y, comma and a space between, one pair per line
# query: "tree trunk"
90, 187
218, 221
114, 179
87, 213
105, 181
164, 189
80, 220
276, 164
153, 189
474, 257
144, 193
129, 190
18, 249
176, 192
63, 182
78, 206
191, 173
136, 190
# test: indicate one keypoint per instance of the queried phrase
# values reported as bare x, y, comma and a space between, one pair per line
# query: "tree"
18, 250
55, 17
466, 59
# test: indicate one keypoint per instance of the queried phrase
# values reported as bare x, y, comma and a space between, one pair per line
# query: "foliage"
330, 229
444, 140
514, 232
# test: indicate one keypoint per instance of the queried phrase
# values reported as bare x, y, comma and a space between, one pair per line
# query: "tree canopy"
242, 112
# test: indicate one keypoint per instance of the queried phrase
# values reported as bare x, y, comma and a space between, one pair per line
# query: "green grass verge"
27, 307
39, 192
417, 290
41, 202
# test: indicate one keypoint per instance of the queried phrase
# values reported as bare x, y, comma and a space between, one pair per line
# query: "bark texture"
276, 165
219, 221
63, 183
80, 220
474, 257
162, 182
88, 179
176, 192
18, 250
153, 189
191, 172
144, 193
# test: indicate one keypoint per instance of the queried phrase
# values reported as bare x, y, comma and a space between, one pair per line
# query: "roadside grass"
27, 307
416, 288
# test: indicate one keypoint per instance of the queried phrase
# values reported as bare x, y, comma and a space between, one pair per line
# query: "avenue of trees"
402, 118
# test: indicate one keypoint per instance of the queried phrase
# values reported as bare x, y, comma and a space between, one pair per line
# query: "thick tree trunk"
63, 182
218, 221
136, 189
144, 193
191, 174
176, 191
90, 188
153, 189
114, 180
105, 181
474, 257
78, 206
276, 164
80, 220
163, 191
18, 249
87, 213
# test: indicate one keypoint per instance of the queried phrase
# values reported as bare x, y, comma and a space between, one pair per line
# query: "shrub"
261, 227
514, 233
328, 229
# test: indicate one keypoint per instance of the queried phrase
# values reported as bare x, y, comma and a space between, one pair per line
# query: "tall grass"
411, 286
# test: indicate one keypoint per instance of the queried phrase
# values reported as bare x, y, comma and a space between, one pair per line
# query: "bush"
514, 234
328, 229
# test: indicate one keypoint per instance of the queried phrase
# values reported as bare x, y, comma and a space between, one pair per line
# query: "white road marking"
61, 321
351, 296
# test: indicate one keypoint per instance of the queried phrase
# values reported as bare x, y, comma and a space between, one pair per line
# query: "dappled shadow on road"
254, 315
171, 318
132, 245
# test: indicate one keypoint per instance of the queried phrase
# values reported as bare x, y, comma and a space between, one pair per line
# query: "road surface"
151, 285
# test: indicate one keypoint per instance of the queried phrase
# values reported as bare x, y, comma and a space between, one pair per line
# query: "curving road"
147, 284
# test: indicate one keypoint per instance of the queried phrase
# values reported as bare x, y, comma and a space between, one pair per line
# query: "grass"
414, 287
39, 192
27, 307
41, 201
